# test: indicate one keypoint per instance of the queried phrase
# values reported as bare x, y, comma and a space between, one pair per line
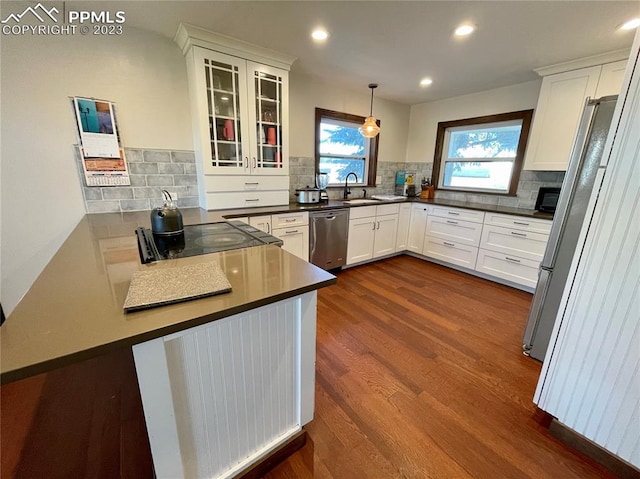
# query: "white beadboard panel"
591, 376
234, 386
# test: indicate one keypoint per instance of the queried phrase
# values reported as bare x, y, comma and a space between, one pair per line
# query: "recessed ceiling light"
426, 82
319, 34
464, 30
630, 25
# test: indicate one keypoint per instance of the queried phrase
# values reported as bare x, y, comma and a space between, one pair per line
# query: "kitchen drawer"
247, 199
456, 253
518, 270
232, 183
361, 212
295, 240
455, 231
518, 222
457, 213
390, 209
290, 219
510, 241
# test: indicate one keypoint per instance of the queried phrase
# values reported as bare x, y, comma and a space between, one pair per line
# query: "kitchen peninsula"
245, 358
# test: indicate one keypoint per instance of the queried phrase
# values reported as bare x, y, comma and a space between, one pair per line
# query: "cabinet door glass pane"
223, 98
269, 119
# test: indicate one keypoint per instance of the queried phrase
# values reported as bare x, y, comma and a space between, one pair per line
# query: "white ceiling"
396, 43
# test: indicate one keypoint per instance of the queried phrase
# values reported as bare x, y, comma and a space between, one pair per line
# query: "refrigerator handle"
569, 184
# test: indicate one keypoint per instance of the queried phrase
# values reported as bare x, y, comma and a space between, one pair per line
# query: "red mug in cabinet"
271, 136
227, 131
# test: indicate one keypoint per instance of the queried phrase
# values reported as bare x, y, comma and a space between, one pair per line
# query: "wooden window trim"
524, 115
373, 142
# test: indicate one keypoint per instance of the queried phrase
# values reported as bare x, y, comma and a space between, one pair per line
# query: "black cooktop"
200, 239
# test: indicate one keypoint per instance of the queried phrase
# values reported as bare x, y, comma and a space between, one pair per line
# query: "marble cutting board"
160, 286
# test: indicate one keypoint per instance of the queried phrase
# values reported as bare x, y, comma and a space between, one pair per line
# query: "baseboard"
259, 469
613, 463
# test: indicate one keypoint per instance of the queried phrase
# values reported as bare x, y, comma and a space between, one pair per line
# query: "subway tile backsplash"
154, 170
151, 171
302, 174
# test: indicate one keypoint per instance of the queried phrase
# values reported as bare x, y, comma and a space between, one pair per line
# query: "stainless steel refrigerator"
584, 172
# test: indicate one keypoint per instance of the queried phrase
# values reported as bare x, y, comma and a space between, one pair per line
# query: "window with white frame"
483, 154
341, 149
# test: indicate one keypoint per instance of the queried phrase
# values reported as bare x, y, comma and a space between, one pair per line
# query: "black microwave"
547, 199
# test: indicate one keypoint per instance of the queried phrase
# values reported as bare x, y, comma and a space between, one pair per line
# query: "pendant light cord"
373, 86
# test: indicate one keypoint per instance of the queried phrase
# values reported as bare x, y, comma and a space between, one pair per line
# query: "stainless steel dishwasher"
328, 238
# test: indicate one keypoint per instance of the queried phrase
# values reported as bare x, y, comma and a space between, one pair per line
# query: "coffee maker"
322, 180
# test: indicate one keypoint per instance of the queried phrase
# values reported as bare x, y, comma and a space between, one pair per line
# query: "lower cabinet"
372, 232
455, 253
517, 270
417, 227
404, 222
291, 228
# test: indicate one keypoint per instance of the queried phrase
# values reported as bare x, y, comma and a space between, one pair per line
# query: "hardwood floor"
420, 374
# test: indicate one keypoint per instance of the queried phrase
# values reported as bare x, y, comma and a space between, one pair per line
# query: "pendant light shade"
370, 128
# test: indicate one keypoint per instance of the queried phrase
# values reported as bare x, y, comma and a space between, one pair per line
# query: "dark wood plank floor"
420, 374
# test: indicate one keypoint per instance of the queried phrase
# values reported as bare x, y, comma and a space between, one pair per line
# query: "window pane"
341, 139
491, 141
493, 175
339, 168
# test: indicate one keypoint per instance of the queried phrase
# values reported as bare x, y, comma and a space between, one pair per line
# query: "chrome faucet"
347, 191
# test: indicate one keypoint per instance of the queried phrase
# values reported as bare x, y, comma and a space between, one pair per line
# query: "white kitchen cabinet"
611, 77
263, 223
557, 115
417, 227
453, 235
293, 230
457, 231
372, 232
404, 221
514, 269
460, 254
511, 247
511, 241
239, 104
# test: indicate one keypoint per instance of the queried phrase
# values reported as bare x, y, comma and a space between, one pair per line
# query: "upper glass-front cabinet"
224, 113
268, 110
246, 106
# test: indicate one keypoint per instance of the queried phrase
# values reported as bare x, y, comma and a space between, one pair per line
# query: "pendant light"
370, 128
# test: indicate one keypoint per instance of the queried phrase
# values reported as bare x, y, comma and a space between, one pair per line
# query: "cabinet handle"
453, 213
378, 225
252, 183
255, 163
452, 222
520, 223
374, 226
290, 220
447, 244
246, 162
255, 199
512, 259
291, 232
515, 233
268, 229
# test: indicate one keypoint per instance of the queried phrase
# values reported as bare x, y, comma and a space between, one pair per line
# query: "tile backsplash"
151, 171
302, 173
175, 171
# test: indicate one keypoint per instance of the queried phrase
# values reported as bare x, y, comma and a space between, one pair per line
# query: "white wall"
307, 93
425, 116
41, 195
